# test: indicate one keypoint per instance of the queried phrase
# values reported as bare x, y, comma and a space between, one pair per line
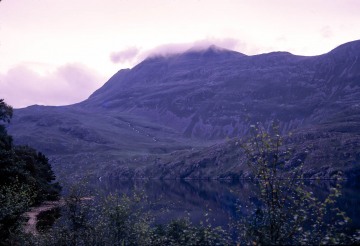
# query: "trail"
32, 215
30, 226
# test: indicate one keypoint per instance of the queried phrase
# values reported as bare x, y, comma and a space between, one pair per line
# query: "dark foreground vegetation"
26, 179
282, 211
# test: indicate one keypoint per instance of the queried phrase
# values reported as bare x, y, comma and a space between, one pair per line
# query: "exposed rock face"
192, 99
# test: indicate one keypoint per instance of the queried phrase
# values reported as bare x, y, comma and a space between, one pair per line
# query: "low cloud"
23, 85
134, 55
127, 55
170, 49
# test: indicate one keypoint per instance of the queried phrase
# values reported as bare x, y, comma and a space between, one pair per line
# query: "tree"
283, 210
6, 111
26, 179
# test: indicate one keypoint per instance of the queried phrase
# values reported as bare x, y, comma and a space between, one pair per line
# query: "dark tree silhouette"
26, 179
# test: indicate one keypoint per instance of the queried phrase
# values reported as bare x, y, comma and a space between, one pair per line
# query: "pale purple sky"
58, 52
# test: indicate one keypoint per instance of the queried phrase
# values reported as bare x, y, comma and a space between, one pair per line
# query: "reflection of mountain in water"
172, 199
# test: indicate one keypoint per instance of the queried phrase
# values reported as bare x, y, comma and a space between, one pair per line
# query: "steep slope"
82, 142
215, 93
134, 123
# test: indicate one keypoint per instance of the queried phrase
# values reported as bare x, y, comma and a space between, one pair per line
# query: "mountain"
151, 120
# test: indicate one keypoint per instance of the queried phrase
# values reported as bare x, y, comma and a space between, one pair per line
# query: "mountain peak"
210, 48
212, 51
214, 47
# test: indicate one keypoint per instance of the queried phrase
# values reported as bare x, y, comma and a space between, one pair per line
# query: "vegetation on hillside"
26, 179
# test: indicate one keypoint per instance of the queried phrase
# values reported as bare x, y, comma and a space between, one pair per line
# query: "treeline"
26, 179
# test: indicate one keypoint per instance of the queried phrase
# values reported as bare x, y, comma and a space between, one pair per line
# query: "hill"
149, 121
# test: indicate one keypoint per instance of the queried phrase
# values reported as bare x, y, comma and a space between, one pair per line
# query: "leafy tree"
182, 232
15, 199
6, 111
121, 220
26, 179
283, 211
100, 220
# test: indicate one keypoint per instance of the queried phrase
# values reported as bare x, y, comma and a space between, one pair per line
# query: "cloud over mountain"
25, 85
169, 49
126, 55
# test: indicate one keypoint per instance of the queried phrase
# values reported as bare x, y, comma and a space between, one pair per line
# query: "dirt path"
30, 226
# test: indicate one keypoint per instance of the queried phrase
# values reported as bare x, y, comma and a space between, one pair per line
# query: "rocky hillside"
167, 109
215, 93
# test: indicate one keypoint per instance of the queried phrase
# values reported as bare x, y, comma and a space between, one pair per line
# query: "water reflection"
213, 200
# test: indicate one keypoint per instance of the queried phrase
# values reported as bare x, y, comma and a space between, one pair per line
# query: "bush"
15, 199
283, 211
182, 232
26, 179
122, 220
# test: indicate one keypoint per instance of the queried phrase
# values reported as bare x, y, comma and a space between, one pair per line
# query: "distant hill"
151, 120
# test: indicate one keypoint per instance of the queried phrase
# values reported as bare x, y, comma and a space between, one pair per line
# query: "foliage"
30, 167
6, 111
125, 221
99, 220
182, 232
14, 200
121, 220
47, 218
26, 179
283, 210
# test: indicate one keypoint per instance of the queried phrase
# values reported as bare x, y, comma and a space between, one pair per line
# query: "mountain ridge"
193, 100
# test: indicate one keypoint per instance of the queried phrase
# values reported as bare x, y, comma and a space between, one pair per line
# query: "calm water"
215, 200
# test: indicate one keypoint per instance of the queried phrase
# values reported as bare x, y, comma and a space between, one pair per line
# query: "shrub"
283, 211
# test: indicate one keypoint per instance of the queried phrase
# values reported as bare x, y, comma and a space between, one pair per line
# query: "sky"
59, 52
